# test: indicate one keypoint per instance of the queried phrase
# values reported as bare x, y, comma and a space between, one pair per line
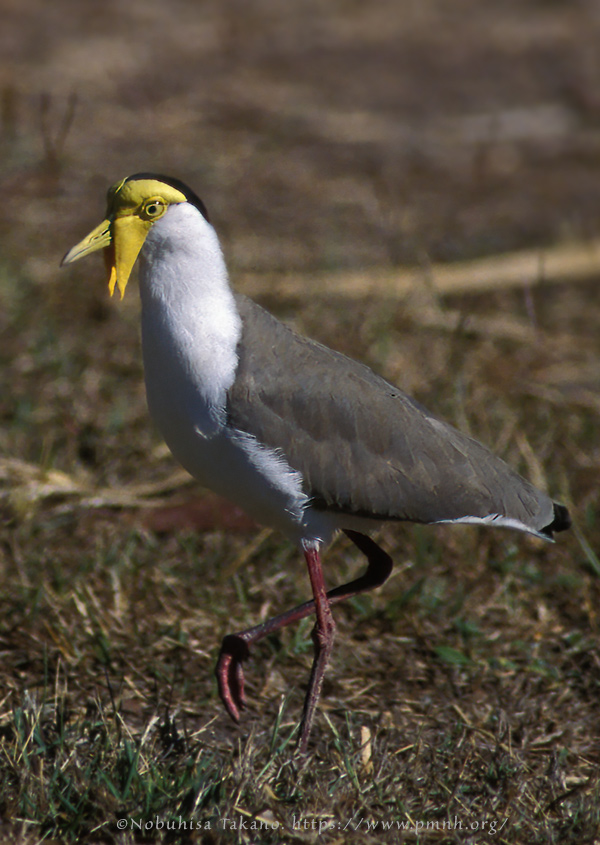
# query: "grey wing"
362, 446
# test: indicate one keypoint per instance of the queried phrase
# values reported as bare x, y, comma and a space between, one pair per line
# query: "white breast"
190, 331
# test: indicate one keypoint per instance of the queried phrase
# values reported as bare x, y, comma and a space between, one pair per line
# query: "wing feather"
362, 446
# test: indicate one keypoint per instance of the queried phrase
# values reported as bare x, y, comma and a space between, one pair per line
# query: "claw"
235, 648
230, 674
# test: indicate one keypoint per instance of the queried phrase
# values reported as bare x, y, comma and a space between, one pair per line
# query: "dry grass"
325, 138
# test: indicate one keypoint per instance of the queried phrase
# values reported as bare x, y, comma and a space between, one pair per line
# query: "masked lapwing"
303, 438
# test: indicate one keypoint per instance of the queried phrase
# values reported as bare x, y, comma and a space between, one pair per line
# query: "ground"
341, 148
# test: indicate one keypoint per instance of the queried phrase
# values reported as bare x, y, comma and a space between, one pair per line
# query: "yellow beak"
122, 237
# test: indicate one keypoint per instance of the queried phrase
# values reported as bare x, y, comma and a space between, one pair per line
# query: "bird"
303, 438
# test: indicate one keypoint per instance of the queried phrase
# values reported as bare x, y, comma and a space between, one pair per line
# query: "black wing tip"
561, 521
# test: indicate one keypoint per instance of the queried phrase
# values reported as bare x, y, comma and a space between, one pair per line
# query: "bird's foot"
230, 674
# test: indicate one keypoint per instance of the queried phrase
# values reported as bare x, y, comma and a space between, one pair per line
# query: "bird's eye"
154, 208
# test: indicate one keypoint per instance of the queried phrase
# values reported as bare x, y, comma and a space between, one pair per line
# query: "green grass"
80, 773
110, 710
461, 704
460, 693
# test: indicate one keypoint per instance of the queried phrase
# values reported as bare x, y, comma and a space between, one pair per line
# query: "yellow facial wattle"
133, 207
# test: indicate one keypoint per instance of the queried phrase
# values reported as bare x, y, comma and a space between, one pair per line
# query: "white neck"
190, 323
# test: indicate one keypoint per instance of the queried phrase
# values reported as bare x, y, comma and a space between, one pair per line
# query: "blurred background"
325, 138
414, 182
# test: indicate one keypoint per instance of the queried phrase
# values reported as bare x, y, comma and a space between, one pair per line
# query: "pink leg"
236, 647
323, 635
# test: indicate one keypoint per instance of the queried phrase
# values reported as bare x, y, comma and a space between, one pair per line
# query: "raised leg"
236, 647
